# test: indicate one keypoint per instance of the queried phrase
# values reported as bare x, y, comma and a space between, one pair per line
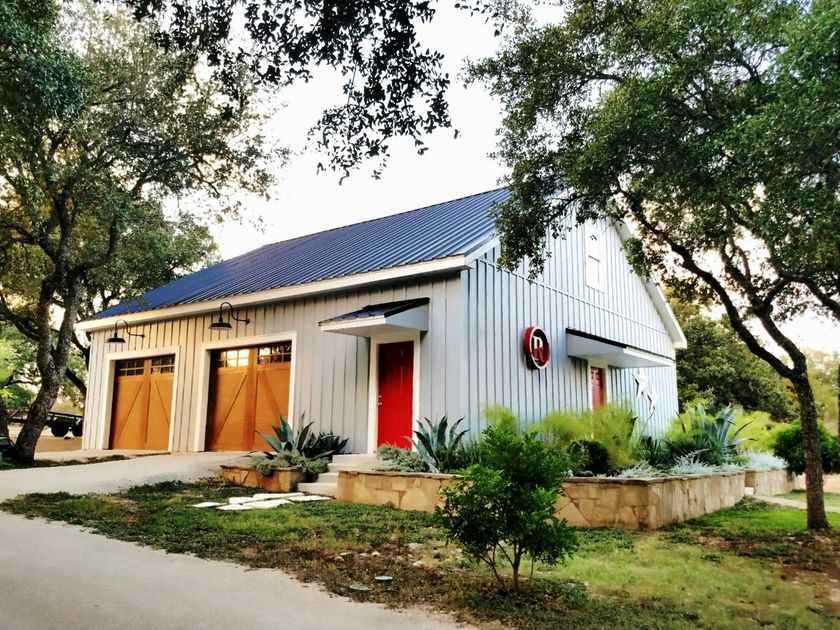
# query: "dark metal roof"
430, 233
379, 310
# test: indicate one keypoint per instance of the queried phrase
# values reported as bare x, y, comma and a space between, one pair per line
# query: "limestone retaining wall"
407, 491
280, 479
646, 503
588, 501
770, 482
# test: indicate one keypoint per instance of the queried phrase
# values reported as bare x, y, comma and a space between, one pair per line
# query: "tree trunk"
4, 419
811, 444
36, 419
51, 361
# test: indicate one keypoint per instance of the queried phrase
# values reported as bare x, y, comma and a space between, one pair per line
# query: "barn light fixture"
115, 338
221, 324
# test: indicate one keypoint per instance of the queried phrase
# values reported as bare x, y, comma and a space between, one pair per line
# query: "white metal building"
369, 327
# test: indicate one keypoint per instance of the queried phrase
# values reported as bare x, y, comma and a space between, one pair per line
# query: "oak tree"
98, 126
713, 127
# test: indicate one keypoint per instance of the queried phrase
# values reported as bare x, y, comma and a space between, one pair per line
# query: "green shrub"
310, 468
501, 417
590, 456
502, 510
437, 442
467, 454
611, 425
392, 458
788, 445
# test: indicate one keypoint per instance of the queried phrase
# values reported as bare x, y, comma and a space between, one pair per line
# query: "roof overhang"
428, 268
379, 319
592, 348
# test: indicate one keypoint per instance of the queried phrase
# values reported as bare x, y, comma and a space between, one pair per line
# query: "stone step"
328, 477
316, 487
356, 459
336, 466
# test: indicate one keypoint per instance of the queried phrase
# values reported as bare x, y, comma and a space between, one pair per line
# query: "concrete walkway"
112, 476
791, 503
59, 577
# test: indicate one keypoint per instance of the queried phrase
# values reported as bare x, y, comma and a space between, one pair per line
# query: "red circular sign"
537, 348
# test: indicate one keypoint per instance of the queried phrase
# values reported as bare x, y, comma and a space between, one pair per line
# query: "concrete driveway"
59, 577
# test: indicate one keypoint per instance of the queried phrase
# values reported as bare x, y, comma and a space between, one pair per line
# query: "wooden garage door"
142, 403
249, 391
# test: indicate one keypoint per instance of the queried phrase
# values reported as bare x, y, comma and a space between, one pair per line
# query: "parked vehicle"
60, 424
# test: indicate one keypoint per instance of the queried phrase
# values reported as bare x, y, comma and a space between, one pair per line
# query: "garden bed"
280, 479
770, 482
647, 503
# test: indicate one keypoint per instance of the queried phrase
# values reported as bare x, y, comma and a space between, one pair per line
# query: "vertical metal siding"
331, 370
501, 304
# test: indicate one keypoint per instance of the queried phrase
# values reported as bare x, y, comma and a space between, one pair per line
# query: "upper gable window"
594, 252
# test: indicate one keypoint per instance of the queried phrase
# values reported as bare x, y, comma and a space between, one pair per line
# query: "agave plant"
435, 440
709, 436
286, 440
304, 441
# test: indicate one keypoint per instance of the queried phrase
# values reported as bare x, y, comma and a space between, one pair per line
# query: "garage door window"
277, 353
130, 368
163, 365
233, 358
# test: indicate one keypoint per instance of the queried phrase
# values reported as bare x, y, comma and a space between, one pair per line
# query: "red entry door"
596, 377
396, 378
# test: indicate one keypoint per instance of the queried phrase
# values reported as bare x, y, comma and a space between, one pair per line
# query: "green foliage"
100, 127
435, 442
501, 417
759, 428
825, 381
310, 467
699, 122
397, 459
503, 508
611, 425
717, 367
392, 84
713, 437
304, 440
788, 445
590, 456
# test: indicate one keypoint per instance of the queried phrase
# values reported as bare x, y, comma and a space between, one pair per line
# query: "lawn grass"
832, 499
618, 579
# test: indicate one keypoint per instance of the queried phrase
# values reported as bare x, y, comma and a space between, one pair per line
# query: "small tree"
504, 508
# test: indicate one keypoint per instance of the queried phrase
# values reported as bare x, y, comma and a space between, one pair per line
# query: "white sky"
304, 201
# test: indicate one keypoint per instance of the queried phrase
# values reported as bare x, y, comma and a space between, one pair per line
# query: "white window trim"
107, 396
592, 363
596, 251
203, 373
373, 383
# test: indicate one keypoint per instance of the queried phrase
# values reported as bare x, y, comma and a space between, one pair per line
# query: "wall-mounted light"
221, 324
115, 338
